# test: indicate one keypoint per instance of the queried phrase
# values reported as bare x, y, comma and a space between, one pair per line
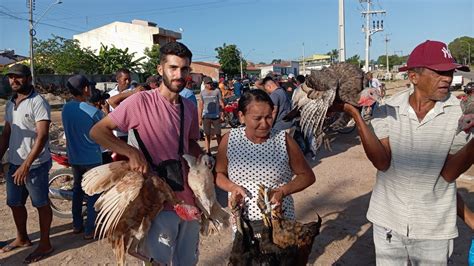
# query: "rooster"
253, 244
467, 107
338, 82
129, 203
287, 234
201, 182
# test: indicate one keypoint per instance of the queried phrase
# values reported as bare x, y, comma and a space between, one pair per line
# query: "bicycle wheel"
60, 184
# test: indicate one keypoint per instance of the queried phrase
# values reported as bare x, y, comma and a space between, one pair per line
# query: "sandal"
77, 230
9, 247
37, 256
88, 236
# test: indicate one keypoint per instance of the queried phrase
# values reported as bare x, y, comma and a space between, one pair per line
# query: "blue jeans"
78, 198
36, 186
172, 241
392, 248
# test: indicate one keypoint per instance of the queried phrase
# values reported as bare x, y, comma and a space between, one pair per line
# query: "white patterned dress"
266, 163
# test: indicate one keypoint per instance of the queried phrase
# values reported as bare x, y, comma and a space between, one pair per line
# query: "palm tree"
334, 53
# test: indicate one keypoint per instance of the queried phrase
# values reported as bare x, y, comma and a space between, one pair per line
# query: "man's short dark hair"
266, 79
175, 48
154, 79
300, 78
122, 71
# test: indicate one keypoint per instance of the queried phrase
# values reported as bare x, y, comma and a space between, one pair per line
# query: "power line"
148, 11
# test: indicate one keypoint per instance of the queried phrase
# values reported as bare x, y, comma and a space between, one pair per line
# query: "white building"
284, 68
135, 36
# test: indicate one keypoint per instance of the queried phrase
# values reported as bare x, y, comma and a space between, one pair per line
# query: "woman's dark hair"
254, 95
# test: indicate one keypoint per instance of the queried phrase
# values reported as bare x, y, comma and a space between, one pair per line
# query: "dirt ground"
340, 195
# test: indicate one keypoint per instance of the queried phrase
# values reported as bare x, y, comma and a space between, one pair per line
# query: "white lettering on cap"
446, 52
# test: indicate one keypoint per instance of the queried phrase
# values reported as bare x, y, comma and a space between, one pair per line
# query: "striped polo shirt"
411, 197
22, 119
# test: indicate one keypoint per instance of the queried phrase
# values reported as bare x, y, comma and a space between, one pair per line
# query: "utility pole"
369, 31
304, 66
342, 33
386, 51
241, 66
468, 52
32, 34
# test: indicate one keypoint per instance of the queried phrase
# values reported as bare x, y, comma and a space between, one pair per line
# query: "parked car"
457, 82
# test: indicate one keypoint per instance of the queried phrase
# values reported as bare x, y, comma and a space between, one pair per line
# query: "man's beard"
168, 83
23, 88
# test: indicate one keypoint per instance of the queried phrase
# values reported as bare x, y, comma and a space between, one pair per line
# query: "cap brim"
405, 68
448, 67
15, 73
440, 67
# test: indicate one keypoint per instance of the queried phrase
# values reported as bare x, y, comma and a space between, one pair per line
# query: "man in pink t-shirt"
155, 115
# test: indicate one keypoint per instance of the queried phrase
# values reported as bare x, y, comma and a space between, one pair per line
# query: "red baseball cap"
433, 55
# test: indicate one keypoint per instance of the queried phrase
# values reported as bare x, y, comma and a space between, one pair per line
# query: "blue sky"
263, 29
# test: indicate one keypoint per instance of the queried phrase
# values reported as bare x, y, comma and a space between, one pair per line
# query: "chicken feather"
201, 182
129, 203
340, 81
288, 234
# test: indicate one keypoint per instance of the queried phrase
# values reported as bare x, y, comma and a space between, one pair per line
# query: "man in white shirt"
373, 82
123, 85
419, 153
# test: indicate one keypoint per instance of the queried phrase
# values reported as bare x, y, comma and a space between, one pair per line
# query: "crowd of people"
414, 143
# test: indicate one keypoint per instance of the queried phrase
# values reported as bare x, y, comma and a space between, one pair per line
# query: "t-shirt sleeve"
126, 115
41, 110
459, 141
274, 97
379, 122
98, 116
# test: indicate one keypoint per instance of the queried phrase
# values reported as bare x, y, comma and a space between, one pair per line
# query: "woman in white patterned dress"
256, 154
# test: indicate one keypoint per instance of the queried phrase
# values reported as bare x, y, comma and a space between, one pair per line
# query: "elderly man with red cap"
419, 152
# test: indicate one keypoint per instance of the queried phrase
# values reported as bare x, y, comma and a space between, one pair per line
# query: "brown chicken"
129, 203
287, 233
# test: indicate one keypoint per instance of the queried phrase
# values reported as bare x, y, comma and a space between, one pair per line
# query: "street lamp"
33, 33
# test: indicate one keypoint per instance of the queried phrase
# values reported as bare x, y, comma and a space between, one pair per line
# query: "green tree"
109, 60
355, 60
392, 60
334, 54
459, 48
229, 59
276, 61
59, 55
152, 60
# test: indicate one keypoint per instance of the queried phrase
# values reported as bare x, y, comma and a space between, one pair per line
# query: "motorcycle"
231, 113
61, 183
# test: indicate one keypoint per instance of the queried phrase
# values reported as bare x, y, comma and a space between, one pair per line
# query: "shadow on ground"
59, 234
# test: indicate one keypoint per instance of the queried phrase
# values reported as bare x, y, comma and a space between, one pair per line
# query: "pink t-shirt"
157, 121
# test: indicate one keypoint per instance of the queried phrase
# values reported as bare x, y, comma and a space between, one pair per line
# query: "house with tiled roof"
8, 58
